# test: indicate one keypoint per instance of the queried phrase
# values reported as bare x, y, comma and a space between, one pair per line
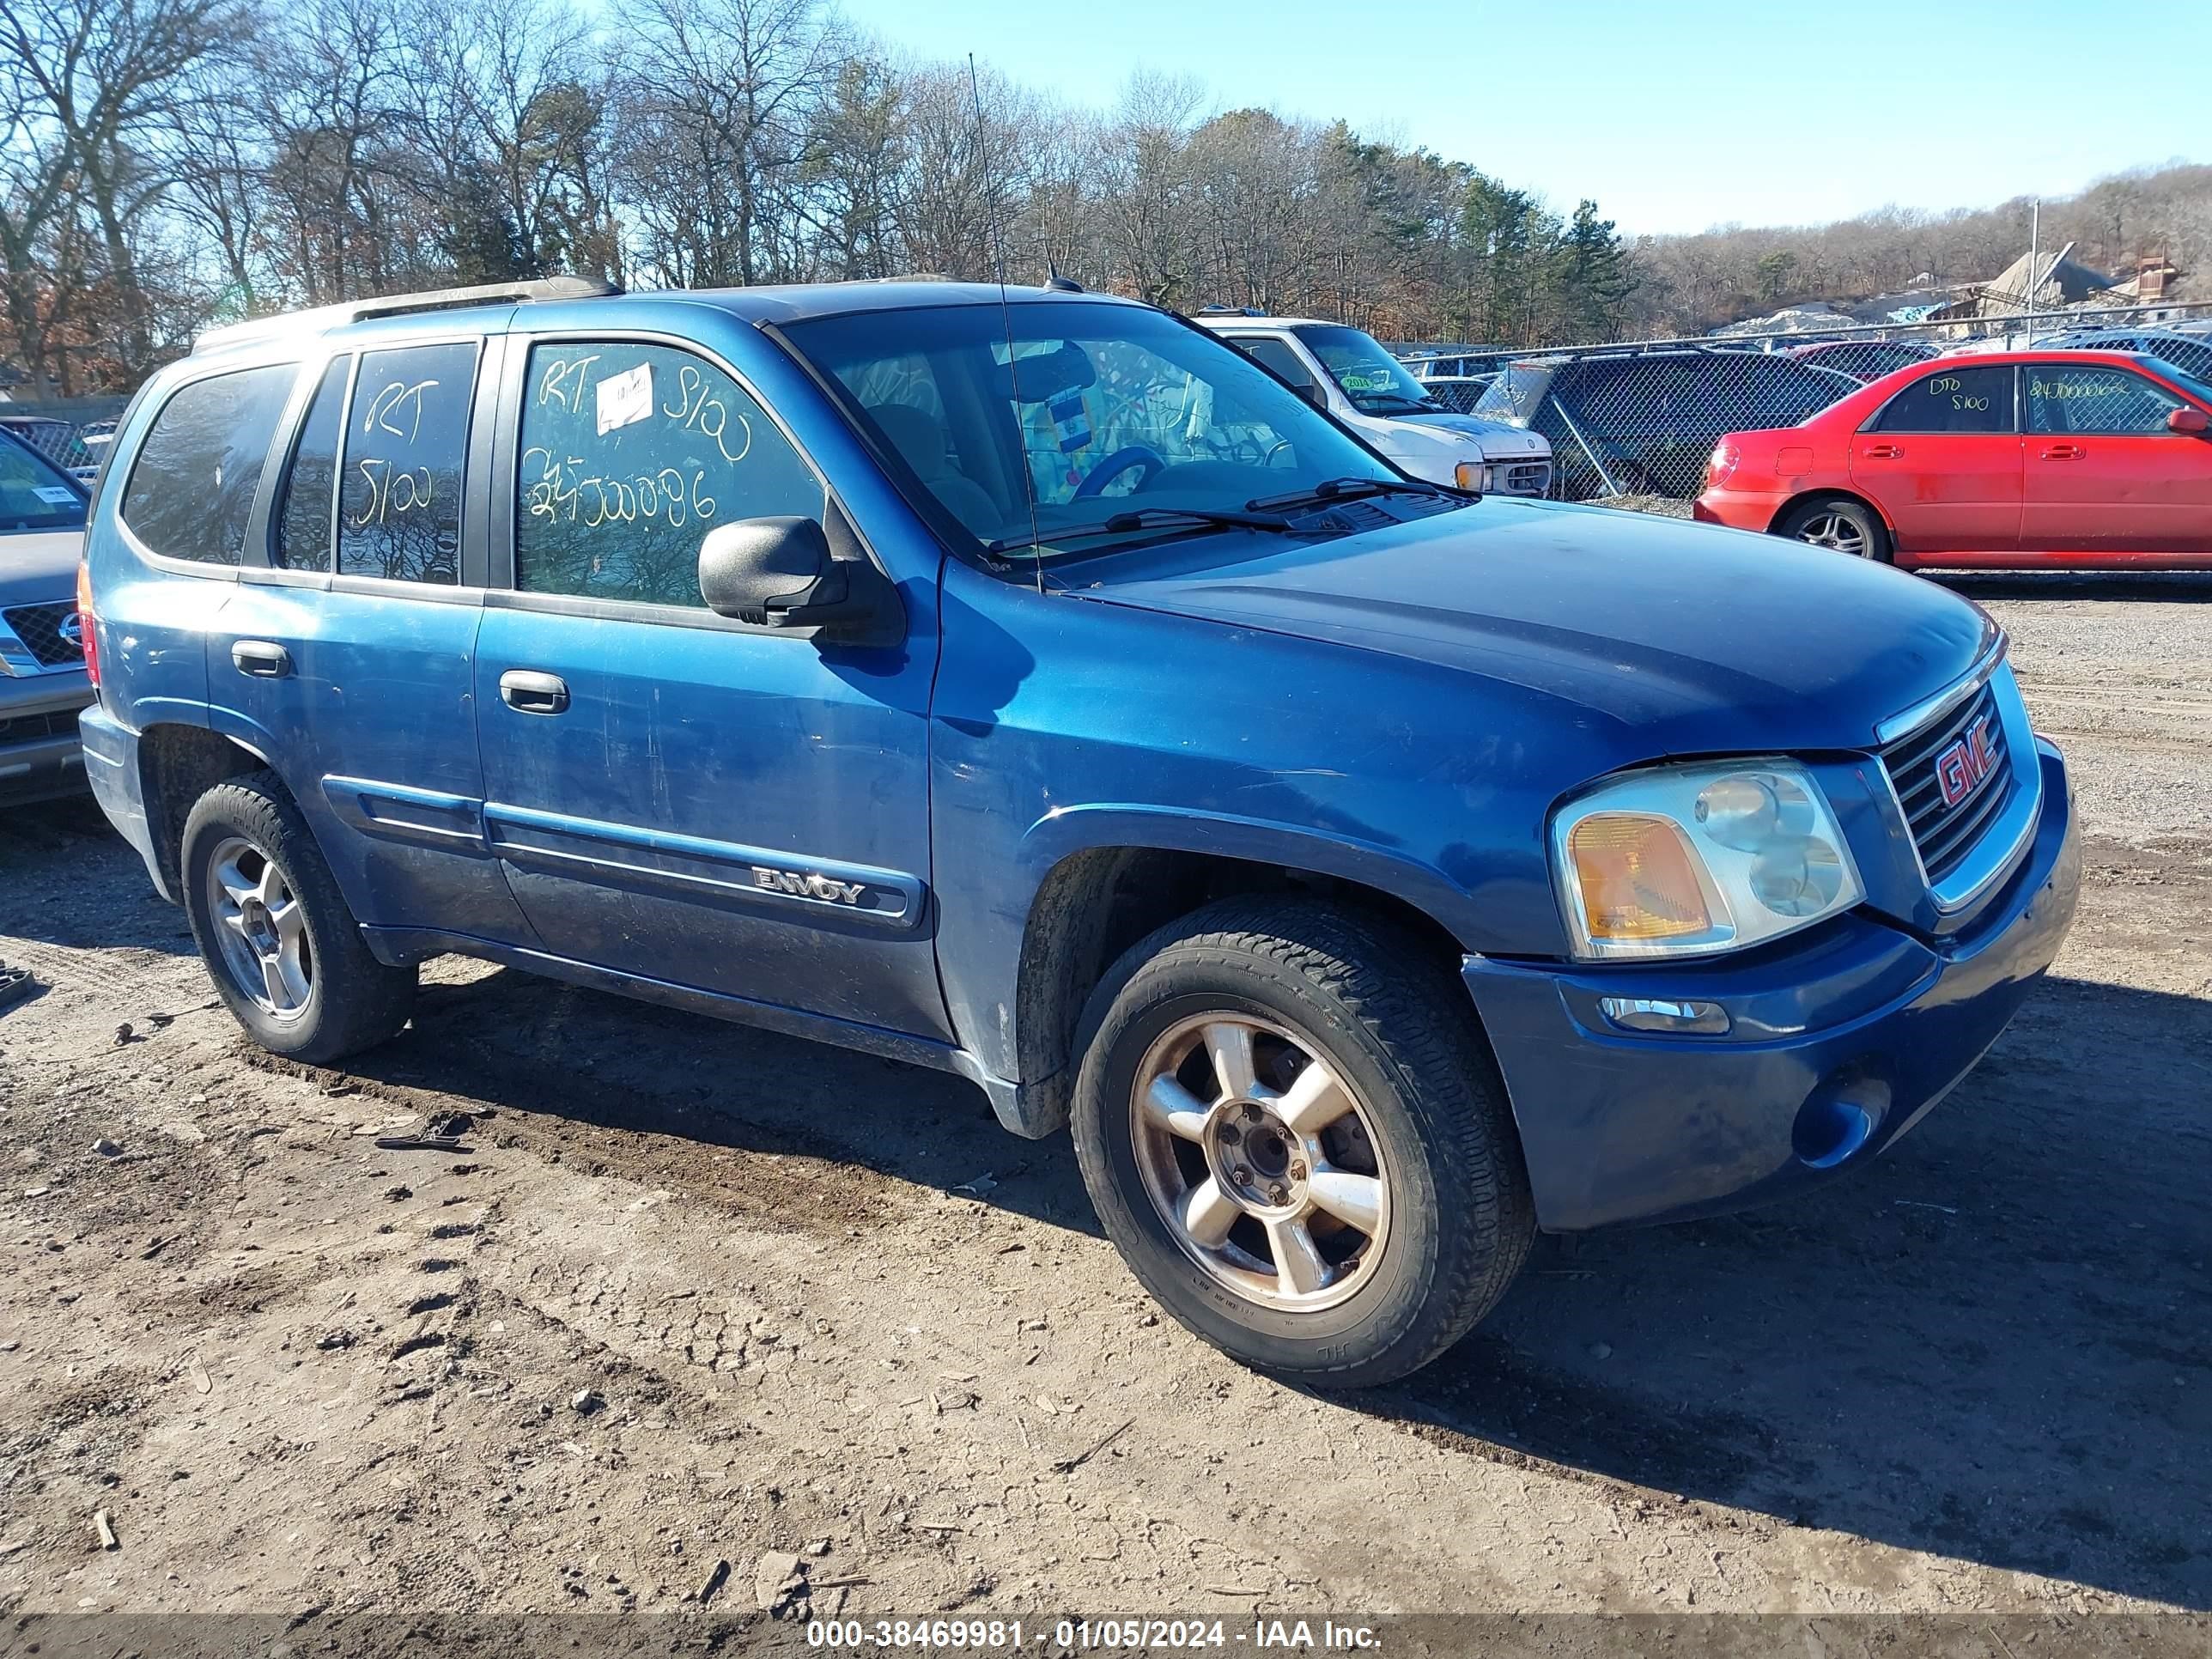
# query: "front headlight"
1686, 860
1471, 475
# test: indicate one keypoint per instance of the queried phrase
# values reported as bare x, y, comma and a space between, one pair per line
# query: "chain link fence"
71, 432
1639, 418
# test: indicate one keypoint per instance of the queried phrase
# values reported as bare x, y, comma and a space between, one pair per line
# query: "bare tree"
110, 78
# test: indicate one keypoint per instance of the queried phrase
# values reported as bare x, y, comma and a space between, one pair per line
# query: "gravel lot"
699, 1294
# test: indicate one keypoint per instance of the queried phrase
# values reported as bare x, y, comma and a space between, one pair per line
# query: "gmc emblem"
1961, 768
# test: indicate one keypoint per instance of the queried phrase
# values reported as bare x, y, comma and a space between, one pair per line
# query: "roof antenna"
1006, 320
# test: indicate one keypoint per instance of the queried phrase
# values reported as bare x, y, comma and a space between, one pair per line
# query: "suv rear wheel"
284, 951
1291, 1132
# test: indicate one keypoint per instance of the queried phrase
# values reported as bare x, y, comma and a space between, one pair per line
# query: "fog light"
1646, 1014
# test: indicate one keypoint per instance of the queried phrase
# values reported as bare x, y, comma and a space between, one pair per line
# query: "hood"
1697, 639
37, 565
1495, 438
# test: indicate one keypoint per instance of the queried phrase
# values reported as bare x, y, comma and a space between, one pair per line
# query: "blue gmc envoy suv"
1031, 686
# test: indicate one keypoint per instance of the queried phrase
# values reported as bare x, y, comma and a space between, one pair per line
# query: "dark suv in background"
42, 677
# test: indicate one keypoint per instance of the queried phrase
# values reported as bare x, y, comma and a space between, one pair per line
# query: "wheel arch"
1831, 492
178, 762
1097, 901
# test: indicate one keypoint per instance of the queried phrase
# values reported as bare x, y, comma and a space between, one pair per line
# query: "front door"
1941, 460
2105, 473
673, 794
345, 654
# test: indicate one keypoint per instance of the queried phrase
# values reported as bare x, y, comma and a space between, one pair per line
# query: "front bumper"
39, 756
1855, 1017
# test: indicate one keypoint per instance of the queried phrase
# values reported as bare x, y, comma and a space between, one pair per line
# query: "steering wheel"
1095, 481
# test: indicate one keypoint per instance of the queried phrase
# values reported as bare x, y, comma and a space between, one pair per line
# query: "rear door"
676, 795
1941, 459
2105, 474
345, 656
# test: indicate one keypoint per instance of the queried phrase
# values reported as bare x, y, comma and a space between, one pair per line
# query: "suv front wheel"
284, 950
1292, 1132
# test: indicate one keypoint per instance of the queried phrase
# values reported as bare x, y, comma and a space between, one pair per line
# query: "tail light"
87, 625
1721, 466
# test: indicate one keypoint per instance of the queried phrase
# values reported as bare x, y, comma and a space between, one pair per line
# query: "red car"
2034, 459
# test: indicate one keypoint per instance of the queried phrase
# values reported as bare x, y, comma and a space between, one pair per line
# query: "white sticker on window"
625, 399
55, 496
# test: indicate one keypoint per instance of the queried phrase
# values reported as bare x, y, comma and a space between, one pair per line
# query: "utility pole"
2034, 262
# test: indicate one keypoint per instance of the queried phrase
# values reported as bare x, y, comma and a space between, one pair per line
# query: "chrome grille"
1945, 831
39, 628
1527, 478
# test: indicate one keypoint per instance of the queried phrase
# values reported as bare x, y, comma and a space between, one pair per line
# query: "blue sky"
1675, 118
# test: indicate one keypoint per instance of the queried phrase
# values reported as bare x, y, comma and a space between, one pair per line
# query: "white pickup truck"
1351, 375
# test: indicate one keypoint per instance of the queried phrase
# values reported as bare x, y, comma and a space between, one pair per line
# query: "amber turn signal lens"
1638, 878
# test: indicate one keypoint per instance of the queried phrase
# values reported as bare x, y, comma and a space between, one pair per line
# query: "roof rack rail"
318, 318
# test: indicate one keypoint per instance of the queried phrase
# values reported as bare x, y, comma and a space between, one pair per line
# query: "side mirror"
779, 572
2193, 422
1312, 392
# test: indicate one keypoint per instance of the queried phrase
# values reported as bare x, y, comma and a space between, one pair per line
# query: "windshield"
34, 493
1108, 408
1376, 382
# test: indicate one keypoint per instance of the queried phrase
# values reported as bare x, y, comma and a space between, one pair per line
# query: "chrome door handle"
528, 692
265, 659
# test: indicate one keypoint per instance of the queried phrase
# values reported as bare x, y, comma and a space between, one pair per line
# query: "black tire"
1397, 1029
353, 1001
1856, 520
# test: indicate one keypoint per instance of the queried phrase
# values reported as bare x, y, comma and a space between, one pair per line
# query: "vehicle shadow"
2143, 586
55, 853
537, 1049
1992, 1344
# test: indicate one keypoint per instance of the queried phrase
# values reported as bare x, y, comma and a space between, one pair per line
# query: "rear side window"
192, 483
1951, 399
303, 513
630, 455
406, 440
2109, 400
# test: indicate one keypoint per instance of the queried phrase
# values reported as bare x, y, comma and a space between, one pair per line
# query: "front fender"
1067, 830
1060, 727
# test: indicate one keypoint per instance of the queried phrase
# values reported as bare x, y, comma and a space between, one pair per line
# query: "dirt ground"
698, 1294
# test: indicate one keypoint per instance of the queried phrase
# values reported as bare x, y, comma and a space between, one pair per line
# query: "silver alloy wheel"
260, 927
1263, 1163
1834, 529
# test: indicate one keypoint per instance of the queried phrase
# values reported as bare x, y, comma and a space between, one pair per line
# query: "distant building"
2033, 283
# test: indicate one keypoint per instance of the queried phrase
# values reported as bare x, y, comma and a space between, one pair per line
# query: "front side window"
34, 493
406, 440
2104, 400
1102, 409
1374, 381
630, 455
1951, 399
191, 486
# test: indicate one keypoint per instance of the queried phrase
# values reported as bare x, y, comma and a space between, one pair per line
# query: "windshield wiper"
1333, 490
1138, 517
